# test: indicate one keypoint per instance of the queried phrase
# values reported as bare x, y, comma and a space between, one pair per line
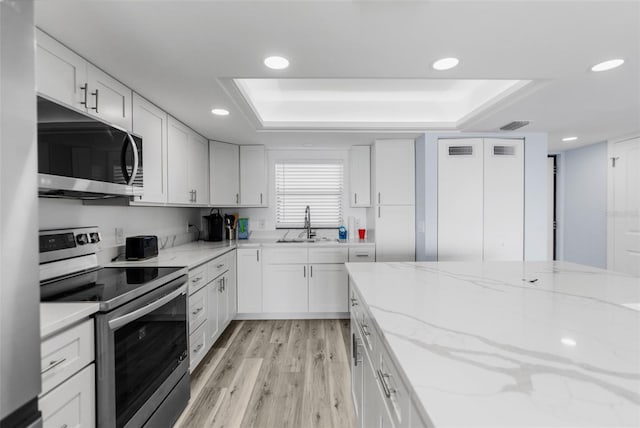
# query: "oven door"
142, 355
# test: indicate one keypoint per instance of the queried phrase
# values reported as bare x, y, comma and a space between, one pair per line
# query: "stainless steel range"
142, 359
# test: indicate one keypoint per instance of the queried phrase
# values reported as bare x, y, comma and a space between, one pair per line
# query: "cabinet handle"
355, 199
195, 196
224, 284
237, 198
378, 212
378, 197
258, 255
53, 364
383, 380
196, 311
365, 330
64, 426
96, 94
304, 271
199, 347
220, 266
311, 271
354, 301
355, 351
194, 280
362, 255
85, 89
260, 198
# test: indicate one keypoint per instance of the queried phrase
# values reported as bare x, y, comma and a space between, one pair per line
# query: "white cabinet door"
395, 233
71, 404
224, 174
109, 99
213, 304
328, 288
460, 189
249, 280
503, 200
60, 73
150, 123
285, 288
394, 172
198, 168
253, 176
372, 405
360, 176
178, 150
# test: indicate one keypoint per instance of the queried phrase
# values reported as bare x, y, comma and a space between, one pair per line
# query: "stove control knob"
94, 237
82, 239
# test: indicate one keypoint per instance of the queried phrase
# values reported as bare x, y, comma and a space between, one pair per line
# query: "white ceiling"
183, 54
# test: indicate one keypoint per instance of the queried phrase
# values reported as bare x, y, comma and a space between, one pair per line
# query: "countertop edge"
55, 317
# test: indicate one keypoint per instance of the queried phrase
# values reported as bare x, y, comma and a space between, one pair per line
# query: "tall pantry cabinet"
480, 199
393, 213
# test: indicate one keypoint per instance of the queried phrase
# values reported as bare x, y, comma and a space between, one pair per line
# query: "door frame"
554, 256
610, 192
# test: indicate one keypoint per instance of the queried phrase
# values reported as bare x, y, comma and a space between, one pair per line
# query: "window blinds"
318, 185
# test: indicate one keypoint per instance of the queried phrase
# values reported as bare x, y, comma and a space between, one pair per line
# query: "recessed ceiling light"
569, 138
276, 62
567, 341
445, 63
220, 112
608, 65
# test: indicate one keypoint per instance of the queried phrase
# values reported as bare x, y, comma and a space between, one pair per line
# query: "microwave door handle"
116, 323
129, 141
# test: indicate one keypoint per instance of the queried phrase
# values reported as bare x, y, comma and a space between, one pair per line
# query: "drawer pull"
354, 301
362, 254
194, 280
365, 330
196, 311
198, 348
53, 364
221, 265
383, 381
64, 426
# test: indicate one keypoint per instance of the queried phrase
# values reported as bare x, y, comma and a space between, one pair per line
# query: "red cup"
361, 233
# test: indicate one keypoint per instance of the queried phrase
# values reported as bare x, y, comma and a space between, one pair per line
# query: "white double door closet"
480, 199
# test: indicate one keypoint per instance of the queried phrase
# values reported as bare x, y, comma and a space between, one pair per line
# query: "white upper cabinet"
109, 99
178, 164
224, 174
150, 123
360, 176
199, 168
394, 172
60, 73
253, 176
69, 79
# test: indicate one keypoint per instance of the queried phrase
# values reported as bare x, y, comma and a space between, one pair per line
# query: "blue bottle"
342, 233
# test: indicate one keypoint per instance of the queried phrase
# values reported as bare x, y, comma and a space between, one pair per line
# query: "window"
302, 183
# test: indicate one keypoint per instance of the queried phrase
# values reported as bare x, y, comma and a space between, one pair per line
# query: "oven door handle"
116, 323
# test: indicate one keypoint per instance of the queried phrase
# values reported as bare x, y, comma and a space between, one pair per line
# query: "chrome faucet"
307, 221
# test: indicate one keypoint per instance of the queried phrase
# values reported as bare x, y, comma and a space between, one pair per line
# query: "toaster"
141, 247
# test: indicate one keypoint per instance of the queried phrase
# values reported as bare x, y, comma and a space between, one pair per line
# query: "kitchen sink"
305, 240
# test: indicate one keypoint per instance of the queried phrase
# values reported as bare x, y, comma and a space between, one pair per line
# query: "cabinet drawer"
218, 266
328, 255
284, 255
66, 353
197, 346
395, 393
72, 404
362, 254
197, 309
197, 278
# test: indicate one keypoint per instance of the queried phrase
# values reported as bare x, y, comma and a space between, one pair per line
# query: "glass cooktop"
105, 285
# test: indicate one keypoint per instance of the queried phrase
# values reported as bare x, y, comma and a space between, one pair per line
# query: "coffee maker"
215, 226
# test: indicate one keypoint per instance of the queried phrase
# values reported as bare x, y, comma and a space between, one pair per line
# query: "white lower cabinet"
249, 280
68, 377
71, 404
328, 288
301, 280
211, 305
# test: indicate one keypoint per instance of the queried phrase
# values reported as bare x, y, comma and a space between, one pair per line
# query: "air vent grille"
460, 150
516, 124
504, 150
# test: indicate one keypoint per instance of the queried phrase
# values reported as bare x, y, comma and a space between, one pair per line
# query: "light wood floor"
268, 374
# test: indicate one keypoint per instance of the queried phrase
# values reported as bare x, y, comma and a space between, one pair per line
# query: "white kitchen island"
496, 344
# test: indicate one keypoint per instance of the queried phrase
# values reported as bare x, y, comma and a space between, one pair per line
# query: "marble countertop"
55, 317
511, 343
188, 255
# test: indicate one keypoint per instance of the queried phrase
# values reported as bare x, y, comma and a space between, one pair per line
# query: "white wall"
535, 192
584, 205
264, 219
168, 223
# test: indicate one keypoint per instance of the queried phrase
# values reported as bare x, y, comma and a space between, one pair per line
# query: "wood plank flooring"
268, 374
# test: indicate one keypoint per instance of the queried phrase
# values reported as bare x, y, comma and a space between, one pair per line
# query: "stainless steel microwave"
80, 156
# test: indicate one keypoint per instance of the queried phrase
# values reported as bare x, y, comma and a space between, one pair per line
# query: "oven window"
147, 351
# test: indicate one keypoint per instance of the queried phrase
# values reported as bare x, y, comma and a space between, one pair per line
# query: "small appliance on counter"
230, 226
141, 247
215, 226
243, 228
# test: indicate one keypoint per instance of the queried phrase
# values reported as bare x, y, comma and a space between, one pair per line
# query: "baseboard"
292, 316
